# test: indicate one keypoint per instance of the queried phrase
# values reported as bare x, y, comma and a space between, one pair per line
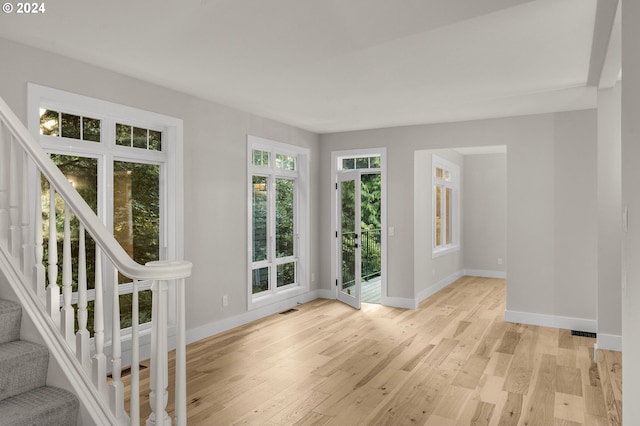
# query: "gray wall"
609, 213
575, 214
431, 273
485, 212
551, 204
631, 200
215, 170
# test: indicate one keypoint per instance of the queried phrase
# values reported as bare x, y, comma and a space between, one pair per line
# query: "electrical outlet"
499, 261
225, 300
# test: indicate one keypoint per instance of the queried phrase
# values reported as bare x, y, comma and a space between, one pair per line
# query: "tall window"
446, 216
124, 162
277, 220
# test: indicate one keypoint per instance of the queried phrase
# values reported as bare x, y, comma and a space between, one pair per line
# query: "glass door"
349, 256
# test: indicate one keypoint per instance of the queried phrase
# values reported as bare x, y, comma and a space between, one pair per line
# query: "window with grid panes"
446, 226
277, 211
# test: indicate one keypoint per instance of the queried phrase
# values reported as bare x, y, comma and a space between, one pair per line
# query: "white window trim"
277, 294
172, 218
454, 184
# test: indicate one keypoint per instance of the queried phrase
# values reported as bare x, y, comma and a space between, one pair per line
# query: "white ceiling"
337, 65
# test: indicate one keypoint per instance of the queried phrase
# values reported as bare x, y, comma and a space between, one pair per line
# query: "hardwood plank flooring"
452, 361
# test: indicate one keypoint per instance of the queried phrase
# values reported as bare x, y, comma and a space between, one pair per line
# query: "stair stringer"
93, 408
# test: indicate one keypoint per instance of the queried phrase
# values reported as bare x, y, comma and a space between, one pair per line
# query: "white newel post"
159, 366
181, 356
134, 410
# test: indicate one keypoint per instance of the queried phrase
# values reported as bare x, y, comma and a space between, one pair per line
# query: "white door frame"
335, 156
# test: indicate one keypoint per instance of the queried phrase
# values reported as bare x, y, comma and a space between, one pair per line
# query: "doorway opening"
370, 237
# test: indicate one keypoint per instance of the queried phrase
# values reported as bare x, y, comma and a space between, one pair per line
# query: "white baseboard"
485, 274
216, 327
555, 321
430, 291
325, 294
399, 302
609, 342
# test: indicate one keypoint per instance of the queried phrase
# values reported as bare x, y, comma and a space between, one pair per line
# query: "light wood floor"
452, 361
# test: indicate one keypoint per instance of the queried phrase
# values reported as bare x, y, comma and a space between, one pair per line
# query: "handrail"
165, 270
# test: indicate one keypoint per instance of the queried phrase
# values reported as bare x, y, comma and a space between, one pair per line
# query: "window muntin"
446, 226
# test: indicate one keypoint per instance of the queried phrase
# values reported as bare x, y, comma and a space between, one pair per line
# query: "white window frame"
301, 221
107, 152
452, 183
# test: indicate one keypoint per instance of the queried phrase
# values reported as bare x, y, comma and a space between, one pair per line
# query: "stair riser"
10, 318
43, 406
23, 367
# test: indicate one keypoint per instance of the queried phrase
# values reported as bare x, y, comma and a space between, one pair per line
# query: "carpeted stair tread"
46, 405
23, 367
10, 317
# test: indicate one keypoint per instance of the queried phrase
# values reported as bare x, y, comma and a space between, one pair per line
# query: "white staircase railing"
22, 239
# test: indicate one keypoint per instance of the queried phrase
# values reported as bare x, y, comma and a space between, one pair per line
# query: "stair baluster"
53, 291
4, 182
82, 336
38, 267
99, 358
135, 357
14, 209
117, 387
26, 255
68, 313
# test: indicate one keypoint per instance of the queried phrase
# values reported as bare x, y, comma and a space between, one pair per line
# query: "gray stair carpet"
25, 399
